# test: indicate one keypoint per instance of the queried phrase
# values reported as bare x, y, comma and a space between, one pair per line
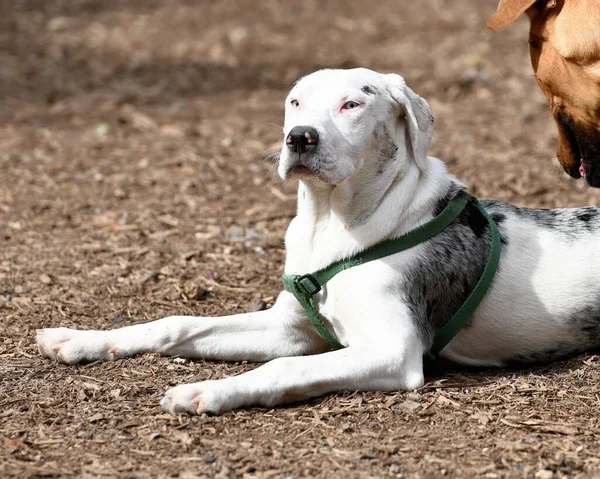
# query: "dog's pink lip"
583, 168
300, 171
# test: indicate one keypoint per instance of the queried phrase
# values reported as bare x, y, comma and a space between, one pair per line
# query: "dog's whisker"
272, 157
275, 124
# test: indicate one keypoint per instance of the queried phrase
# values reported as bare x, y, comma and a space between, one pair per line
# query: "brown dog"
564, 41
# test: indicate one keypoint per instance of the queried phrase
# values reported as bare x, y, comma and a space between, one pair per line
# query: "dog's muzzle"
583, 145
303, 154
301, 139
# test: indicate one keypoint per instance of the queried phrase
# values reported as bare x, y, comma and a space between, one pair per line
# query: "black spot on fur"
475, 220
453, 190
587, 215
387, 147
498, 218
369, 89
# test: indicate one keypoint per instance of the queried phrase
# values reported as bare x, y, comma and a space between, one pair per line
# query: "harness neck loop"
304, 287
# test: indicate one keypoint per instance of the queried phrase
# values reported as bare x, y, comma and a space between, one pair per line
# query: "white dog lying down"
357, 141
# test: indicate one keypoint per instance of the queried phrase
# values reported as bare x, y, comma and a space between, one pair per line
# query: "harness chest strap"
305, 286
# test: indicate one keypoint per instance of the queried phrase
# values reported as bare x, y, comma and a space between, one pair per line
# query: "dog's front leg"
259, 336
291, 379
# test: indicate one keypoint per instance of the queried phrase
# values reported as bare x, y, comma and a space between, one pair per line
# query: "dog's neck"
339, 221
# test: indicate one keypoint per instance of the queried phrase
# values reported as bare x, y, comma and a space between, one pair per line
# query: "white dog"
357, 141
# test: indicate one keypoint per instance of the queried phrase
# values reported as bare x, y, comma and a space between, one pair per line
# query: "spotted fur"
451, 263
369, 90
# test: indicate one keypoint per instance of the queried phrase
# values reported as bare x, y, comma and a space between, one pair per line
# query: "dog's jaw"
363, 211
304, 173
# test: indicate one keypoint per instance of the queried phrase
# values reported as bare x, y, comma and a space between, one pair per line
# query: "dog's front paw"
71, 346
197, 398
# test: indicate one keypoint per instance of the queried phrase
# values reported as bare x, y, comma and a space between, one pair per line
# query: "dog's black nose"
300, 138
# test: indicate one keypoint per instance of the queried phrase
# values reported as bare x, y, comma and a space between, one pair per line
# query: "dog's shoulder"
449, 265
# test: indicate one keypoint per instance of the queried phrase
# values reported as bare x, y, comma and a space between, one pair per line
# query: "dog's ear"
418, 116
508, 11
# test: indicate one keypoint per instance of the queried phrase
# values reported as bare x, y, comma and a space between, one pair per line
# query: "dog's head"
339, 122
564, 41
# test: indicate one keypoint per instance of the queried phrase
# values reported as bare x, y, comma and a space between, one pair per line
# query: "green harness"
305, 286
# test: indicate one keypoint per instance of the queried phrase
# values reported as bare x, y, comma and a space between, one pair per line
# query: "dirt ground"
135, 183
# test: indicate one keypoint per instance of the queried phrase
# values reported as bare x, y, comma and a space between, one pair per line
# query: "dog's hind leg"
259, 336
293, 379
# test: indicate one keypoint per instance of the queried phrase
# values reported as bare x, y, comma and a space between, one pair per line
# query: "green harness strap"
305, 286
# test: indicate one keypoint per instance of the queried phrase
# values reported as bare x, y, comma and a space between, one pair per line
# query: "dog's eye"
535, 43
350, 105
295, 103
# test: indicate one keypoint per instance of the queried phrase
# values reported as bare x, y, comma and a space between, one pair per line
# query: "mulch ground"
136, 182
